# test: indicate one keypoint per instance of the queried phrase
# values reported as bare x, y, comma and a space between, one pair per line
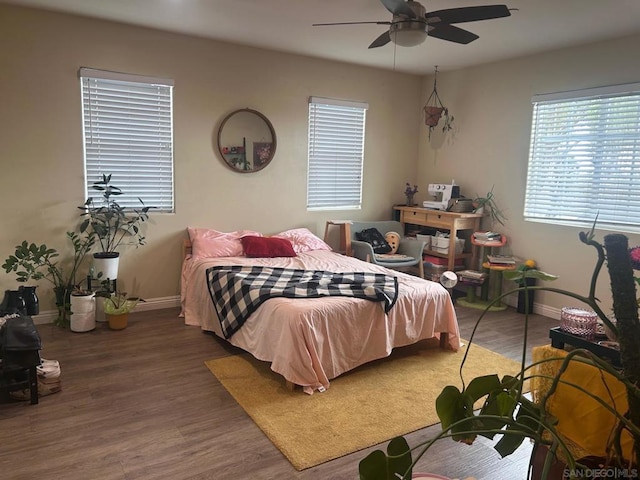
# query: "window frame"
584, 149
140, 157
342, 168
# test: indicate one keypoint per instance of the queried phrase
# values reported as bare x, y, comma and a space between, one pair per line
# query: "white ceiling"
285, 25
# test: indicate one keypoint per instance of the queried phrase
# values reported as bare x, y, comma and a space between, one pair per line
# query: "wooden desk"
452, 221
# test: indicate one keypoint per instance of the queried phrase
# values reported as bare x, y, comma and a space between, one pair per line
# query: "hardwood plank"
140, 404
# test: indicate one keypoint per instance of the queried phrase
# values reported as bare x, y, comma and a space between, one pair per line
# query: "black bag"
19, 342
374, 238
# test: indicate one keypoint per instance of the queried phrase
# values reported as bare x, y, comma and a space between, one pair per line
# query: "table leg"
33, 385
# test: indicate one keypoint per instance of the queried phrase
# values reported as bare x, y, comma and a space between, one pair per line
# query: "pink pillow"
267, 247
207, 243
303, 240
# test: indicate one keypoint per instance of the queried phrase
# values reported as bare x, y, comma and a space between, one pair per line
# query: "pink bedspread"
311, 341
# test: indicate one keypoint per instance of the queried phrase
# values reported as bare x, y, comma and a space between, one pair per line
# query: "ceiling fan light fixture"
408, 38
408, 34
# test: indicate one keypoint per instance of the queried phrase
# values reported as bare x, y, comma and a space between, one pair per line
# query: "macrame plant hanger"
433, 108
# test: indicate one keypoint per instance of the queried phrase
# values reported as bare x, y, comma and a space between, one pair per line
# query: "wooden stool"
345, 235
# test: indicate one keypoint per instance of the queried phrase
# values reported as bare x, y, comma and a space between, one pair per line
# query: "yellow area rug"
367, 406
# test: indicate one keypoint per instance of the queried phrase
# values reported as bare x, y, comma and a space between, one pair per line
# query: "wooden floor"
140, 404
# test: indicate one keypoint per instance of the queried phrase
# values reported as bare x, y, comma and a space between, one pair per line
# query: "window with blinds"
128, 132
584, 158
336, 151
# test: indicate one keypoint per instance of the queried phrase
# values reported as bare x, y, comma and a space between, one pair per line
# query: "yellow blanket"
585, 423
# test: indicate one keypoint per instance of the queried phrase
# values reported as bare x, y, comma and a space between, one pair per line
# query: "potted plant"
117, 308
36, 262
83, 309
434, 110
509, 414
409, 193
112, 224
488, 205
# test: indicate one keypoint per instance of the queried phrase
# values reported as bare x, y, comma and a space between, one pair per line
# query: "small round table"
495, 283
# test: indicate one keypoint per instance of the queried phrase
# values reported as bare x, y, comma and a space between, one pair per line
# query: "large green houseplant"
37, 262
508, 414
113, 225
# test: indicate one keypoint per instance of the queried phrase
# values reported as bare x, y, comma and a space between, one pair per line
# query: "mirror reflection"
246, 140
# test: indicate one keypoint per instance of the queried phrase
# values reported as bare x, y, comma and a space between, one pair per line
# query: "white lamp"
449, 279
408, 34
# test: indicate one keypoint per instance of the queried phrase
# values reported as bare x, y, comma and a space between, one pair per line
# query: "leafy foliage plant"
40, 262
113, 224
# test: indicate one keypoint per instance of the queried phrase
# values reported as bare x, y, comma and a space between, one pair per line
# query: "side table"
345, 235
495, 290
559, 338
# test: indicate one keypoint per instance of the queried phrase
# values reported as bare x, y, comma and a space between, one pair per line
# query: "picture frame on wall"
261, 153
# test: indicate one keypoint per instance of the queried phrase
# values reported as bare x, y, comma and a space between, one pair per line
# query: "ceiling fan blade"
399, 7
451, 33
468, 14
349, 23
381, 40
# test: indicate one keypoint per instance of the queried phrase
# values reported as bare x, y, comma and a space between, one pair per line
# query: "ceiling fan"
411, 23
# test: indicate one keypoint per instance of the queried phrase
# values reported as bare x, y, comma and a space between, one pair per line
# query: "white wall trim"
153, 304
171, 302
538, 308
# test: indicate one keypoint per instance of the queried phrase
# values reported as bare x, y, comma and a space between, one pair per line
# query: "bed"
310, 341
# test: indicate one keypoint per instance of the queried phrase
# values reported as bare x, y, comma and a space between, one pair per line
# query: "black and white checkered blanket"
238, 291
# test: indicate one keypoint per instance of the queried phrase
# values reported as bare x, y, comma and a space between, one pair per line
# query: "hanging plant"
434, 110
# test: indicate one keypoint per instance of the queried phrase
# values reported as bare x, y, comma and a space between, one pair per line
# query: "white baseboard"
153, 304
172, 302
538, 308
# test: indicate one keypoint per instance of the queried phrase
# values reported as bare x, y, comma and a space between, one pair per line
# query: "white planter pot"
82, 303
83, 316
108, 266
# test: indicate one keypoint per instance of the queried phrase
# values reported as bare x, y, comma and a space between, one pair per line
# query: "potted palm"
113, 225
117, 308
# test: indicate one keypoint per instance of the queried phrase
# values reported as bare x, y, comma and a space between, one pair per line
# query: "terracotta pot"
432, 115
118, 322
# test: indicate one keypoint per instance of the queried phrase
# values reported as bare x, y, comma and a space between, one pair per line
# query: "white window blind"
336, 151
584, 158
128, 132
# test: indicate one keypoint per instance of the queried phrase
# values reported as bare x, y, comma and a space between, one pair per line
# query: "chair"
408, 246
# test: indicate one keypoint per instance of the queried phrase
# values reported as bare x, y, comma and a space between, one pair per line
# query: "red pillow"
267, 247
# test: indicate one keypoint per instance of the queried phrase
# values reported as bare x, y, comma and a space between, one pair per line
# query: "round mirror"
246, 140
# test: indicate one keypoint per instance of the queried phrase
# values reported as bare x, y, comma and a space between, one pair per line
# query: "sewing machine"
441, 194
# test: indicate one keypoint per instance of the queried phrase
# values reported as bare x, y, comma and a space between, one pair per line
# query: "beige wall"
41, 141
492, 109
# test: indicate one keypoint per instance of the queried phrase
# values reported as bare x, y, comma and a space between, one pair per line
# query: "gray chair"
408, 246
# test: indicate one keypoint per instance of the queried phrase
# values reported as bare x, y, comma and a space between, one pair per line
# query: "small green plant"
488, 205
112, 224
119, 303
